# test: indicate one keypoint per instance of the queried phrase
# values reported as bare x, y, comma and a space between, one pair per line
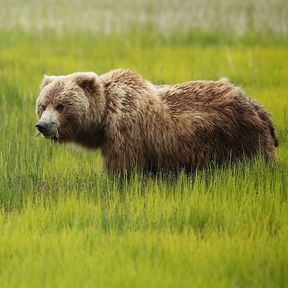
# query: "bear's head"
69, 104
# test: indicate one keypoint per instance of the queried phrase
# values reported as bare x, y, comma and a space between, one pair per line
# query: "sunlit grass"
65, 223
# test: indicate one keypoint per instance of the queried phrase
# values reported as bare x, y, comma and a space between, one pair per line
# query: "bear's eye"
60, 107
42, 107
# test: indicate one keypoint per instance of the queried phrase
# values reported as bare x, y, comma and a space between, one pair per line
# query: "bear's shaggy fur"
137, 124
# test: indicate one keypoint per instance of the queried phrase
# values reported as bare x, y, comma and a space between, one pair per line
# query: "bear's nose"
42, 127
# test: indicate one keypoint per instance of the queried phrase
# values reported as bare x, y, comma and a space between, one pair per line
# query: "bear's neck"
91, 138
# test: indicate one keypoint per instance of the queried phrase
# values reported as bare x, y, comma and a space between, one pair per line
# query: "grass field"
64, 223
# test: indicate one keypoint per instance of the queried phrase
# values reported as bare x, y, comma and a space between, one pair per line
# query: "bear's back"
197, 96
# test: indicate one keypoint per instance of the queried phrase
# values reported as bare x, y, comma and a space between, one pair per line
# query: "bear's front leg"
120, 161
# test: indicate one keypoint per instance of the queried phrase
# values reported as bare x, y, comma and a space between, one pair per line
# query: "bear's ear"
86, 80
46, 80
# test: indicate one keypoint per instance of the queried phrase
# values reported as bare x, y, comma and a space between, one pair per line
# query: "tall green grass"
64, 223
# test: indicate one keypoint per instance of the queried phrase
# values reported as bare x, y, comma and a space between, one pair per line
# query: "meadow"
65, 223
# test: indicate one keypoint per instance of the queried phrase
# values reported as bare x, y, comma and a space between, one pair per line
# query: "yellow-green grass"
64, 223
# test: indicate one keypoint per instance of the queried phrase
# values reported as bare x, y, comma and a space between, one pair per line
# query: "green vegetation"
64, 223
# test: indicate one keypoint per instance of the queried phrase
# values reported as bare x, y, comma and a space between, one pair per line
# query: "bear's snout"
42, 126
47, 128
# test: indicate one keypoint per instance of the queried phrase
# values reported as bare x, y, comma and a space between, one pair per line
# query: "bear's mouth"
52, 136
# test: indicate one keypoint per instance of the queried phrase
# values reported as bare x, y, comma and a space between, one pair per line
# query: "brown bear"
138, 125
